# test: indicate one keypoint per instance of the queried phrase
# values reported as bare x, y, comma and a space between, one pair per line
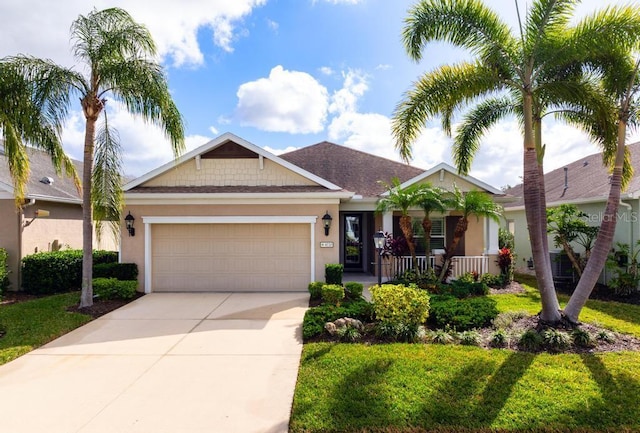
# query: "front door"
353, 242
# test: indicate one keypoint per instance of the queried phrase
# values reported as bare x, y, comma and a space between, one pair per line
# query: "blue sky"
282, 74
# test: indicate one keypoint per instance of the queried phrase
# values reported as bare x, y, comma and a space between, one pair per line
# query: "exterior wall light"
326, 223
128, 221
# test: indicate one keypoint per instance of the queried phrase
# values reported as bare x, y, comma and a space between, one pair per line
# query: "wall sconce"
39, 213
326, 223
128, 221
530, 263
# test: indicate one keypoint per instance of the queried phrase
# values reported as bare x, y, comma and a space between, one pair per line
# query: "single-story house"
49, 219
231, 216
584, 183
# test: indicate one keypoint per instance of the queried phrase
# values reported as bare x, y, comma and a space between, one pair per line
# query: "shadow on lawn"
626, 312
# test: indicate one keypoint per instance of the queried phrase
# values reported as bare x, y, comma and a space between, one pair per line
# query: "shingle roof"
587, 179
353, 170
62, 188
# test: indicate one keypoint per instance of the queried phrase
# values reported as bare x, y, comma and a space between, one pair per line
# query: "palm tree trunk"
86, 297
427, 224
536, 223
575, 262
458, 233
604, 240
407, 231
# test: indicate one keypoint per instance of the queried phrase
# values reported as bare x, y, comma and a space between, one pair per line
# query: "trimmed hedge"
112, 288
58, 271
333, 273
120, 271
316, 317
4, 271
353, 290
462, 314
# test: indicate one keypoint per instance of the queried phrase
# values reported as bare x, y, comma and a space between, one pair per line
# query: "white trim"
234, 201
446, 167
269, 219
590, 200
238, 195
55, 199
220, 140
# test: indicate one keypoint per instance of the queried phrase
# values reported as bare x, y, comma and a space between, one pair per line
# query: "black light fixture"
128, 220
378, 241
326, 223
530, 263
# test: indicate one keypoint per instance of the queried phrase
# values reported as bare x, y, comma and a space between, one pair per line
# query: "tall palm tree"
530, 71
28, 118
471, 203
401, 199
430, 199
118, 56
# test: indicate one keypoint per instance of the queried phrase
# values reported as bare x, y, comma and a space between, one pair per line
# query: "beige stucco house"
231, 216
49, 219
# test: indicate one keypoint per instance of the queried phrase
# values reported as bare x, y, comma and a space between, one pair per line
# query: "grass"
29, 325
414, 388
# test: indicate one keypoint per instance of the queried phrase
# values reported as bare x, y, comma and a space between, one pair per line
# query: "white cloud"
383, 67
354, 86
337, 2
47, 34
326, 70
273, 25
214, 130
286, 101
280, 151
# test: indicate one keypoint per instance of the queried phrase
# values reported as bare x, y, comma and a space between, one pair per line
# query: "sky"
283, 74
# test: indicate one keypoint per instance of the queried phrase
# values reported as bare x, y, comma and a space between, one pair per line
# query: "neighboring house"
231, 216
49, 219
584, 183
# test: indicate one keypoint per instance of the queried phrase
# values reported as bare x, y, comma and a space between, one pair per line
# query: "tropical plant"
567, 224
430, 199
530, 74
119, 57
471, 203
625, 266
401, 199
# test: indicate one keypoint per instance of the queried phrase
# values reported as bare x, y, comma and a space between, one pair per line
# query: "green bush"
470, 338
4, 271
440, 336
333, 273
499, 339
315, 289
353, 290
58, 271
556, 340
463, 289
121, 271
582, 338
491, 280
400, 305
462, 314
530, 340
316, 317
112, 288
332, 294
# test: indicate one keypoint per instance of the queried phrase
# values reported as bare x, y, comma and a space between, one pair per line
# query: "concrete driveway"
174, 363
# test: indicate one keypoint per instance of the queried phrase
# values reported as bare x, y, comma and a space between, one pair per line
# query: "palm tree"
430, 199
119, 59
532, 71
26, 117
401, 199
476, 203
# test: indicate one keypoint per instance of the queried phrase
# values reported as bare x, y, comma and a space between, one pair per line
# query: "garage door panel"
230, 257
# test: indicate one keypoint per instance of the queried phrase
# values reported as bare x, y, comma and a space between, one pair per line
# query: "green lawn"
417, 387
31, 324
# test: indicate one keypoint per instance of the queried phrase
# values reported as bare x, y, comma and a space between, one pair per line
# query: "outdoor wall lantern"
326, 223
530, 263
128, 221
378, 241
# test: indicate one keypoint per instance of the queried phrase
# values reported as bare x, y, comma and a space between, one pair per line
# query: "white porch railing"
460, 266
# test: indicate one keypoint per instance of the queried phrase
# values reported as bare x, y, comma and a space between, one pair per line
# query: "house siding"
10, 239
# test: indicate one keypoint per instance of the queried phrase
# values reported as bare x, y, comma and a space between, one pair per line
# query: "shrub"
462, 314
315, 289
581, 338
400, 305
332, 294
333, 273
470, 338
555, 340
353, 290
426, 280
530, 340
4, 271
316, 317
349, 333
440, 336
120, 271
112, 288
463, 289
506, 319
58, 271
499, 338
606, 336
491, 280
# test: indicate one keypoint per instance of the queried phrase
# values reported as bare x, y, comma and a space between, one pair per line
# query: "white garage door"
230, 257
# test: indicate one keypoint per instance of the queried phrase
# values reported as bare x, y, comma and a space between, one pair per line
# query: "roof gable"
354, 170
445, 176
229, 155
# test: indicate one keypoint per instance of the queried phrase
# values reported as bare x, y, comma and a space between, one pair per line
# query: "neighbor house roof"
43, 181
584, 180
353, 170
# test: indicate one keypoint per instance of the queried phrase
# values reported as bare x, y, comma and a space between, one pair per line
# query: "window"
511, 226
437, 233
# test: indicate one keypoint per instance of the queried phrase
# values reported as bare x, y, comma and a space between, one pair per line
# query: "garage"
229, 256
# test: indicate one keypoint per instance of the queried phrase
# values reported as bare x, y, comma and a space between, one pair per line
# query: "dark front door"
353, 241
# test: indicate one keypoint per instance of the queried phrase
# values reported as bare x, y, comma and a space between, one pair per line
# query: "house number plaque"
326, 244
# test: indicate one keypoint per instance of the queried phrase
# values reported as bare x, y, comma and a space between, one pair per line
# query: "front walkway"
166, 363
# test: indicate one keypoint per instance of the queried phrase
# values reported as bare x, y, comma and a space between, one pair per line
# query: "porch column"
387, 222
491, 236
